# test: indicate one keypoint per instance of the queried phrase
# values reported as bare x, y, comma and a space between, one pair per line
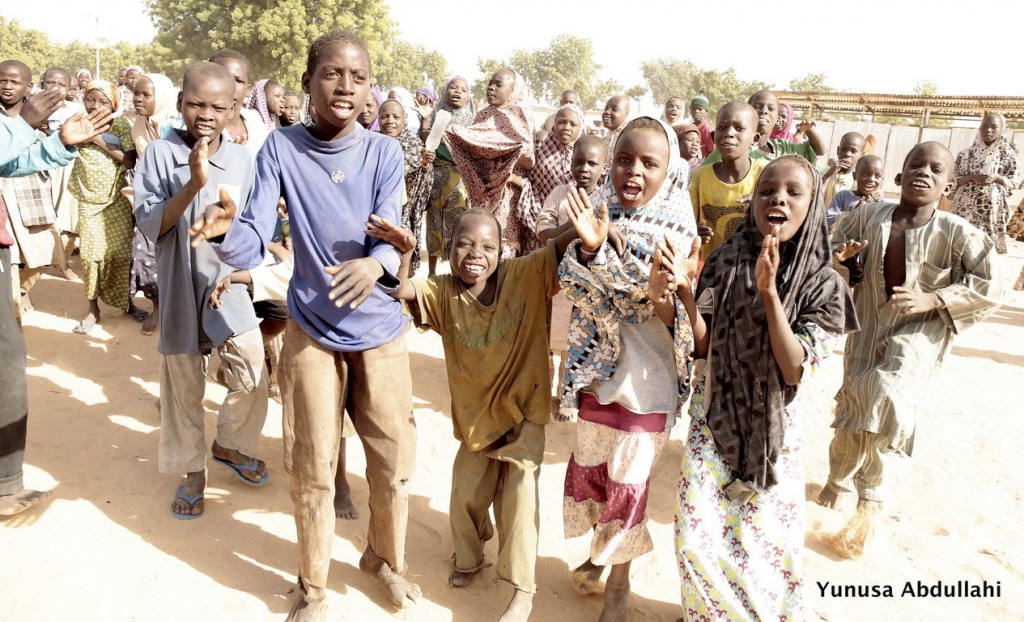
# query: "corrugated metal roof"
906, 105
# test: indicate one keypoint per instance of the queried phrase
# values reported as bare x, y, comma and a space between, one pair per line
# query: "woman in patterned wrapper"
492, 152
986, 173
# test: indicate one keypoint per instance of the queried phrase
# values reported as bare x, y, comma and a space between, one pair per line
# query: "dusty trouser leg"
14, 404
516, 506
474, 484
312, 383
381, 410
244, 410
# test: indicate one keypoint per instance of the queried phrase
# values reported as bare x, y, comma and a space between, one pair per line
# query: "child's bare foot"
399, 590
587, 578
151, 323
616, 595
827, 498
21, 501
188, 500
519, 607
306, 609
461, 579
343, 507
69, 274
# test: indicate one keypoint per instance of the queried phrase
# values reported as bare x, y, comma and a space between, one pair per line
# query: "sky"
876, 46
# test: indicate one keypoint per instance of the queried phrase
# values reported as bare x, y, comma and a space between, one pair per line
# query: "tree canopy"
671, 77
567, 63
275, 36
811, 83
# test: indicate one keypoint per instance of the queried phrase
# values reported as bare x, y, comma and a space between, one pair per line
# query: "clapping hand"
591, 226
215, 221
768, 263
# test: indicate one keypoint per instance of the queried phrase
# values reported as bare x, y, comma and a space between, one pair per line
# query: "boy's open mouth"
474, 269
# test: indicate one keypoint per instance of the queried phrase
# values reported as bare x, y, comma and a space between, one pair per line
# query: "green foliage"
811, 83
274, 35
567, 63
407, 64
636, 91
35, 49
672, 77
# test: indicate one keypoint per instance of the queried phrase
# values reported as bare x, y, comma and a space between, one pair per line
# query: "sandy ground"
105, 547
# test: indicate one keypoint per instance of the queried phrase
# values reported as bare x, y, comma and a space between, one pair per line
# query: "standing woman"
491, 152
448, 197
105, 215
986, 172
551, 169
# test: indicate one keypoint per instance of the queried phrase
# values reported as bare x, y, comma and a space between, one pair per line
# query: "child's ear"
180, 95
305, 82
756, 139
948, 190
899, 179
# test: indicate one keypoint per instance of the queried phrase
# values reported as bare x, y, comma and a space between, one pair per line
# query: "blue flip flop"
178, 494
239, 469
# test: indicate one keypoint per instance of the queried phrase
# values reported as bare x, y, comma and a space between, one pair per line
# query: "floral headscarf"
108, 89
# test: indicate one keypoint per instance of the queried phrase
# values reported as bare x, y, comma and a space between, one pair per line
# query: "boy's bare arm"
403, 240
813, 137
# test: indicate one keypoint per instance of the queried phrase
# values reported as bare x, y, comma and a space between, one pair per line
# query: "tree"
31, 47
811, 83
668, 77
681, 78
926, 88
407, 65
567, 63
274, 36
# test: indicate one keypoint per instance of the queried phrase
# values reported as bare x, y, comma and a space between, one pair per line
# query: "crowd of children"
672, 266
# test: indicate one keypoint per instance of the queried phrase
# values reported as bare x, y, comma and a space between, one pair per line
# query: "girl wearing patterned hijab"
498, 144
448, 197
768, 308
617, 336
551, 169
105, 214
267, 99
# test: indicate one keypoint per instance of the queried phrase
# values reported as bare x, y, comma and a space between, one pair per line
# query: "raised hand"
661, 284
592, 226
81, 128
38, 107
199, 163
383, 229
914, 301
848, 249
425, 109
215, 221
768, 263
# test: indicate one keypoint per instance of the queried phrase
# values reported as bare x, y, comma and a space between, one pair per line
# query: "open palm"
591, 225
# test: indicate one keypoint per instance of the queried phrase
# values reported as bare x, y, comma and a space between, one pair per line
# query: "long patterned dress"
985, 205
105, 220
741, 560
